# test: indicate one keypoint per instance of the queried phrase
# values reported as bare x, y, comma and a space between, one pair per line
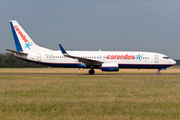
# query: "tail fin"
22, 40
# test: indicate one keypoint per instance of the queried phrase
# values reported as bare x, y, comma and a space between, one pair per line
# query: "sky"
113, 25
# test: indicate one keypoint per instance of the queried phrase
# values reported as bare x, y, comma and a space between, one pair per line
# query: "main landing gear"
91, 72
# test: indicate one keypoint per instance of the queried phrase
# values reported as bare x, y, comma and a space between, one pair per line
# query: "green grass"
89, 97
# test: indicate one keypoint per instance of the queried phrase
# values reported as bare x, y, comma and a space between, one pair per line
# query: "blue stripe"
144, 66
110, 69
16, 40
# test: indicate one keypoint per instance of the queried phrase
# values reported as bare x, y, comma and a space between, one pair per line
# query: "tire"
91, 72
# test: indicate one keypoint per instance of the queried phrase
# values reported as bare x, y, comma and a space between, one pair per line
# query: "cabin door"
39, 57
156, 58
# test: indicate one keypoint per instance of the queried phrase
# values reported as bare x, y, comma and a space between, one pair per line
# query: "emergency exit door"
156, 58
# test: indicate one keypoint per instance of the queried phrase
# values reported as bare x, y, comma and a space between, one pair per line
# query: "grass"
89, 97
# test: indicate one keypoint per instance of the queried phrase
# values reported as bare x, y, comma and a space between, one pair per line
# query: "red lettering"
112, 57
115, 57
125, 57
108, 57
133, 57
21, 34
129, 57
120, 57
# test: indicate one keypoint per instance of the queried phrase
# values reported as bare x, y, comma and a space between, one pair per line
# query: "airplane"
110, 61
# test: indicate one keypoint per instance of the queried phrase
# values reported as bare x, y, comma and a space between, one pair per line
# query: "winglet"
62, 49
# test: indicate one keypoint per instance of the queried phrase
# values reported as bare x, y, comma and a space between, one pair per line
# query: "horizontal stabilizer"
16, 52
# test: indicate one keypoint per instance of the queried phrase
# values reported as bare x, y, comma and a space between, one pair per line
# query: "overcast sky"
120, 25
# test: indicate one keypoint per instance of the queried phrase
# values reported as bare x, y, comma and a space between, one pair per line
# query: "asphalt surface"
49, 74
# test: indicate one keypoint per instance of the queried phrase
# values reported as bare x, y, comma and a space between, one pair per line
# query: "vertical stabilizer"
22, 40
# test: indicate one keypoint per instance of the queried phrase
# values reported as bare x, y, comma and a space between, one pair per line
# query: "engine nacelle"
110, 67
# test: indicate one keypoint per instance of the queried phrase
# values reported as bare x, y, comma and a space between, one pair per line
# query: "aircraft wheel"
91, 72
158, 72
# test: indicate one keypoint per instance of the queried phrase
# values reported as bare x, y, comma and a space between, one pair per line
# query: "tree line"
8, 60
177, 62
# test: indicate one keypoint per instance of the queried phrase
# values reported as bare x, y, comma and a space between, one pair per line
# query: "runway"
50, 74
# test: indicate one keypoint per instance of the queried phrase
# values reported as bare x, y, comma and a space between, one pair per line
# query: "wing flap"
85, 60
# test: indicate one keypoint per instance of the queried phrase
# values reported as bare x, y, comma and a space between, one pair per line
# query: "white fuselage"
124, 59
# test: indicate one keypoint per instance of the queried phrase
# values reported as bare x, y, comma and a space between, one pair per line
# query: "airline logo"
121, 57
27, 44
139, 57
125, 57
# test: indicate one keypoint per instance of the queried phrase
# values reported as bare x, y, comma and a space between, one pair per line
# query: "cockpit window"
166, 57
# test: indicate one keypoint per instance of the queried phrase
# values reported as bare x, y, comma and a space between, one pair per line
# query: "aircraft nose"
173, 62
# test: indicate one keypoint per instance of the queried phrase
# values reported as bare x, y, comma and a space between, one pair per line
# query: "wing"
83, 60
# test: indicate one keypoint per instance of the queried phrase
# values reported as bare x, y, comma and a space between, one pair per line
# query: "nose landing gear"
158, 72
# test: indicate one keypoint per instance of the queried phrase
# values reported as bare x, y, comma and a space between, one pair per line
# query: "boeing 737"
105, 60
